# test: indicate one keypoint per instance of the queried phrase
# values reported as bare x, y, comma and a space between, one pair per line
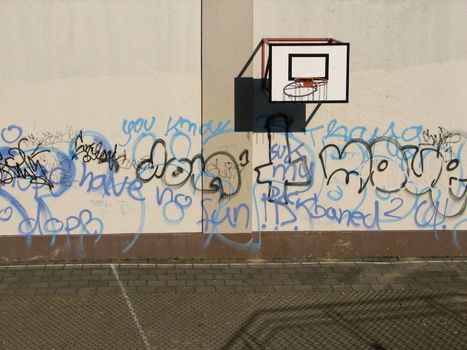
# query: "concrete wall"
134, 126
123, 74
407, 72
227, 30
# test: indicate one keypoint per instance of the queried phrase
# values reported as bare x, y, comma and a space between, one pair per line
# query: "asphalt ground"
413, 304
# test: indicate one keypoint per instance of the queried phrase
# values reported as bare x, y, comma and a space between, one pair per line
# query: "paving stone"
6, 273
71, 278
65, 291
419, 286
205, 277
273, 282
225, 289
342, 288
196, 282
45, 291
186, 276
398, 286
462, 286
264, 289
158, 283
25, 291
149, 277
423, 280
330, 281
7, 292
378, 287
215, 282
60, 284
98, 284
41, 273
38, 285
291, 282
287, 271
433, 268
302, 288
244, 289
176, 283
185, 289
137, 283
234, 282
146, 289
130, 289
322, 288
80, 272
105, 290
336, 275
219, 266
360, 287
166, 277
33, 278
86, 291
176, 272
262, 277
51, 279
90, 278
165, 289
78, 284
106, 277
283, 288
206, 289
11, 279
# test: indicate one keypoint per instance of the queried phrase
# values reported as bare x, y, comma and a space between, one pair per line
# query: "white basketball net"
306, 89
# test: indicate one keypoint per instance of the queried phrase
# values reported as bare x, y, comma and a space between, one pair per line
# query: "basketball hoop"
306, 89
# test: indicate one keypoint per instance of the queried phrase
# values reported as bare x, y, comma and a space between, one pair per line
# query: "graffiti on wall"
360, 178
152, 177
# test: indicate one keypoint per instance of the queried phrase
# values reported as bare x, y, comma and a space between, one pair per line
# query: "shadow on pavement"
406, 321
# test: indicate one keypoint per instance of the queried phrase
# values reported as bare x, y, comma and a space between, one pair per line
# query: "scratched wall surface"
120, 117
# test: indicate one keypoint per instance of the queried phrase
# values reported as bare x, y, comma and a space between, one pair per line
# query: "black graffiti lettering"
23, 164
244, 158
341, 155
280, 122
95, 151
406, 163
219, 172
181, 170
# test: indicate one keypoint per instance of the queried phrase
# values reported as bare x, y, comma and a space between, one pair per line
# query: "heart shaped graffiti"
6, 213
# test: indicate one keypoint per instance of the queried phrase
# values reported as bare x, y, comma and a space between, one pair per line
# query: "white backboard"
327, 63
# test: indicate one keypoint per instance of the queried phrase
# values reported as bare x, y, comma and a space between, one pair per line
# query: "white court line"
130, 307
265, 264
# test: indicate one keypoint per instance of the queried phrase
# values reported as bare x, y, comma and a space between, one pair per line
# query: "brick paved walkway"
228, 305
89, 279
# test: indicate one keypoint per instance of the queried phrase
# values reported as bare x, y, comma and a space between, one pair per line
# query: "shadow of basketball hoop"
252, 108
355, 320
252, 105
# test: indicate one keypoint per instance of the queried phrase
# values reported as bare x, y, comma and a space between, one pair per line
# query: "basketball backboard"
306, 70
